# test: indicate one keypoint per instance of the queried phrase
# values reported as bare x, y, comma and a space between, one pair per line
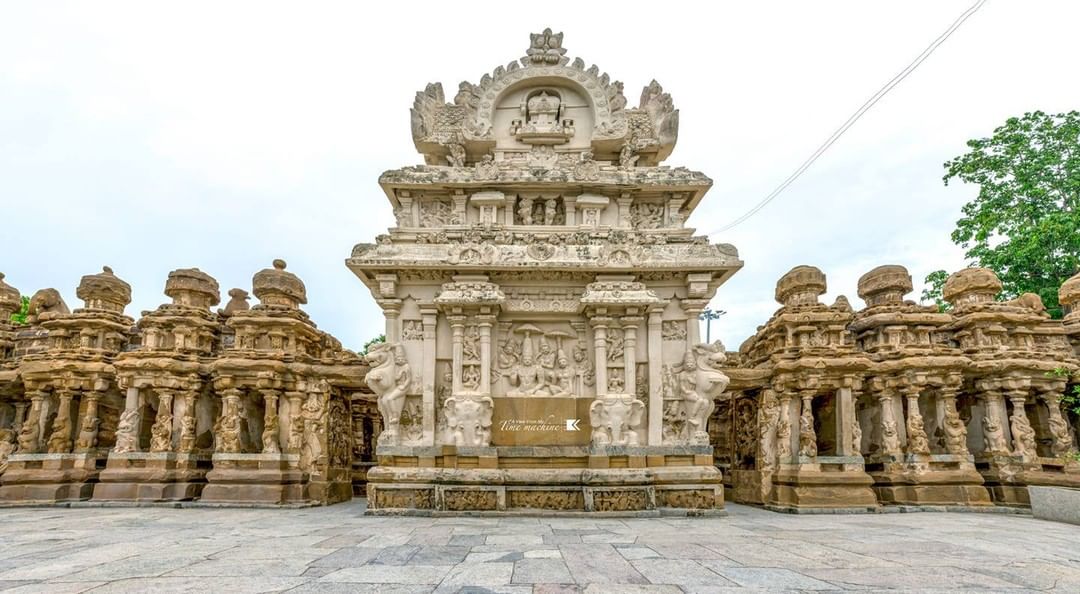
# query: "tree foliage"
373, 341
1025, 222
19, 317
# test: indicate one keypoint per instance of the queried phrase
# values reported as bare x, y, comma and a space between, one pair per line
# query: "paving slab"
338, 549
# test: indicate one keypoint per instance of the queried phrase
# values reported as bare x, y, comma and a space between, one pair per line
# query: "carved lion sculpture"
46, 301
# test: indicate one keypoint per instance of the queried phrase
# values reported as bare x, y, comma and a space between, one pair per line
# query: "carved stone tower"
541, 294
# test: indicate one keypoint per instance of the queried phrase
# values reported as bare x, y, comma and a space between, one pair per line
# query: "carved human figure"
509, 354
187, 434
561, 382
455, 156
314, 414
270, 435
525, 210
807, 436
470, 377
390, 378
768, 415
127, 437
585, 372
628, 156
527, 377
470, 344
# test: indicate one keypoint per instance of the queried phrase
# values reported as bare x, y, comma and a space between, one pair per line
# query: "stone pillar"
429, 315
485, 323
693, 309
624, 201
1023, 434
570, 205
600, 345
457, 325
228, 441
20, 415
30, 438
60, 440
1060, 433
296, 422
161, 431
784, 435
271, 437
188, 424
630, 326
392, 311
889, 432
845, 421
656, 360
994, 423
807, 434
952, 427
917, 443
88, 430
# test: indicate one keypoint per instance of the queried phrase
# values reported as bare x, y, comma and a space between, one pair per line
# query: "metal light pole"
709, 314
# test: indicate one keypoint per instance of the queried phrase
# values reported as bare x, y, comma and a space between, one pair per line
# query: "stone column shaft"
429, 315
656, 359
485, 322
457, 325
630, 325
600, 346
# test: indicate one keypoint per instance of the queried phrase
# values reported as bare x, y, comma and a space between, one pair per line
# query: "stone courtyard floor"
337, 549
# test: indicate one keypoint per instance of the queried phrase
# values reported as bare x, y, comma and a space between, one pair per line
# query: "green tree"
1025, 223
373, 341
19, 317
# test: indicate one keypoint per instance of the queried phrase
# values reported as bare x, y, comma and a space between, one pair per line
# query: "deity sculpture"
187, 434
127, 437
270, 435
390, 378
856, 436
470, 344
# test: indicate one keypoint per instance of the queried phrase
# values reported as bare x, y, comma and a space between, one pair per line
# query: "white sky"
222, 135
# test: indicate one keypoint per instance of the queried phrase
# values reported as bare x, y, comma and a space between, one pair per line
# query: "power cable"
855, 116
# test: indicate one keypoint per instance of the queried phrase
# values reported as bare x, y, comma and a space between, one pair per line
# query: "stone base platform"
50, 478
256, 479
839, 484
944, 480
152, 477
568, 480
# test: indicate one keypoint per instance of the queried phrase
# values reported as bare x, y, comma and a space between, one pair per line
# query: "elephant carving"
615, 418
468, 420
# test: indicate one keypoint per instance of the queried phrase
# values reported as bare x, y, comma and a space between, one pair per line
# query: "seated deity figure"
561, 378
527, 377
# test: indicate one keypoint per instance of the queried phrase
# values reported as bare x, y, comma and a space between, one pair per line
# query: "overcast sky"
223, 135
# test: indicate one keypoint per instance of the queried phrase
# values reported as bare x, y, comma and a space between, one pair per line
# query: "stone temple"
541, 294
